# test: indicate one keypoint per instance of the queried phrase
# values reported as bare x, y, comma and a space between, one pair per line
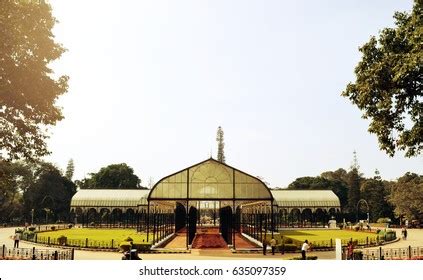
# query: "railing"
36, 254
408, 253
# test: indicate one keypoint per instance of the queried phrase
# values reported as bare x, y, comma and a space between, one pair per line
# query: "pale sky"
150, 82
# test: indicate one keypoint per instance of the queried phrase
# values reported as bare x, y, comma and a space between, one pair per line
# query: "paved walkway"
415, 239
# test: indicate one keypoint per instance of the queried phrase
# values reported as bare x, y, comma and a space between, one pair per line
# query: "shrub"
356, 228
377, 231
92, 224
383, 220
125, 246
307, 258
19, 230
62, 240
358, 255
53, 228
70, 225
290, 247
32, 228
288, 240
142, 247
26, 235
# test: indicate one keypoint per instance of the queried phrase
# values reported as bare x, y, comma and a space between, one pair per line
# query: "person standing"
264, 243
304, 249
16, 238
405, 233
350, 251
273, 245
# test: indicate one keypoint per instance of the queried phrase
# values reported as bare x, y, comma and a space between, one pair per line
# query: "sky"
150, 82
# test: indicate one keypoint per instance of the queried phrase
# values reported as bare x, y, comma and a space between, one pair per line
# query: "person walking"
405, 233
16, 239
264, 243
304, 249
273, 245
350, 251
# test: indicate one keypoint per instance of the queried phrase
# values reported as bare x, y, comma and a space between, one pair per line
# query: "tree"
11, 185
353, 182
220, 145
320, 183
388, 86
50, 192
407, 196
375, 192
28, 90
70, 169
114, 176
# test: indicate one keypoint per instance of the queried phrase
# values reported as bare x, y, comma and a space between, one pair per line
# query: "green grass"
319, 236
98, 235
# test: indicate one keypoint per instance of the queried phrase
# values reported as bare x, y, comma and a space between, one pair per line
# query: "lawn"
320, 236
97, 235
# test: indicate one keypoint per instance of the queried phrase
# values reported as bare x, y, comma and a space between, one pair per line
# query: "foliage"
12, 183
307, 258
388, 88
339, 187
375, 192
290, 247
407, 196
353, 180
114, 176
49, 194
70, 169
220, 145
28, 90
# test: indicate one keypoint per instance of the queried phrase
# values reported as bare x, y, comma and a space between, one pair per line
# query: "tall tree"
375, 191
321, 183
353, 181
114, 176
28, 90
388, 88
220, 145
70, 169
407, 196
50, 192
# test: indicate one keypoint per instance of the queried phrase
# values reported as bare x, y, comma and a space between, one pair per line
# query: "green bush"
290, 247
307, 258
19, 230
358, 255
27, 235
288, 240
141, 247
62, 240
70, 225
125, 246
383, 220
53, 228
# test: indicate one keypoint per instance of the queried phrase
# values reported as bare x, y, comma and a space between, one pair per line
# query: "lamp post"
47, 211
32, 216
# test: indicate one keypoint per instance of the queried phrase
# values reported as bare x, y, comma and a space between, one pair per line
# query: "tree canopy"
407, 196
388, 86
28, 89
114, 176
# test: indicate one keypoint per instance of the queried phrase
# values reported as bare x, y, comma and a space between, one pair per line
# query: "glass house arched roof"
210, 180
109, 198
306, 198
